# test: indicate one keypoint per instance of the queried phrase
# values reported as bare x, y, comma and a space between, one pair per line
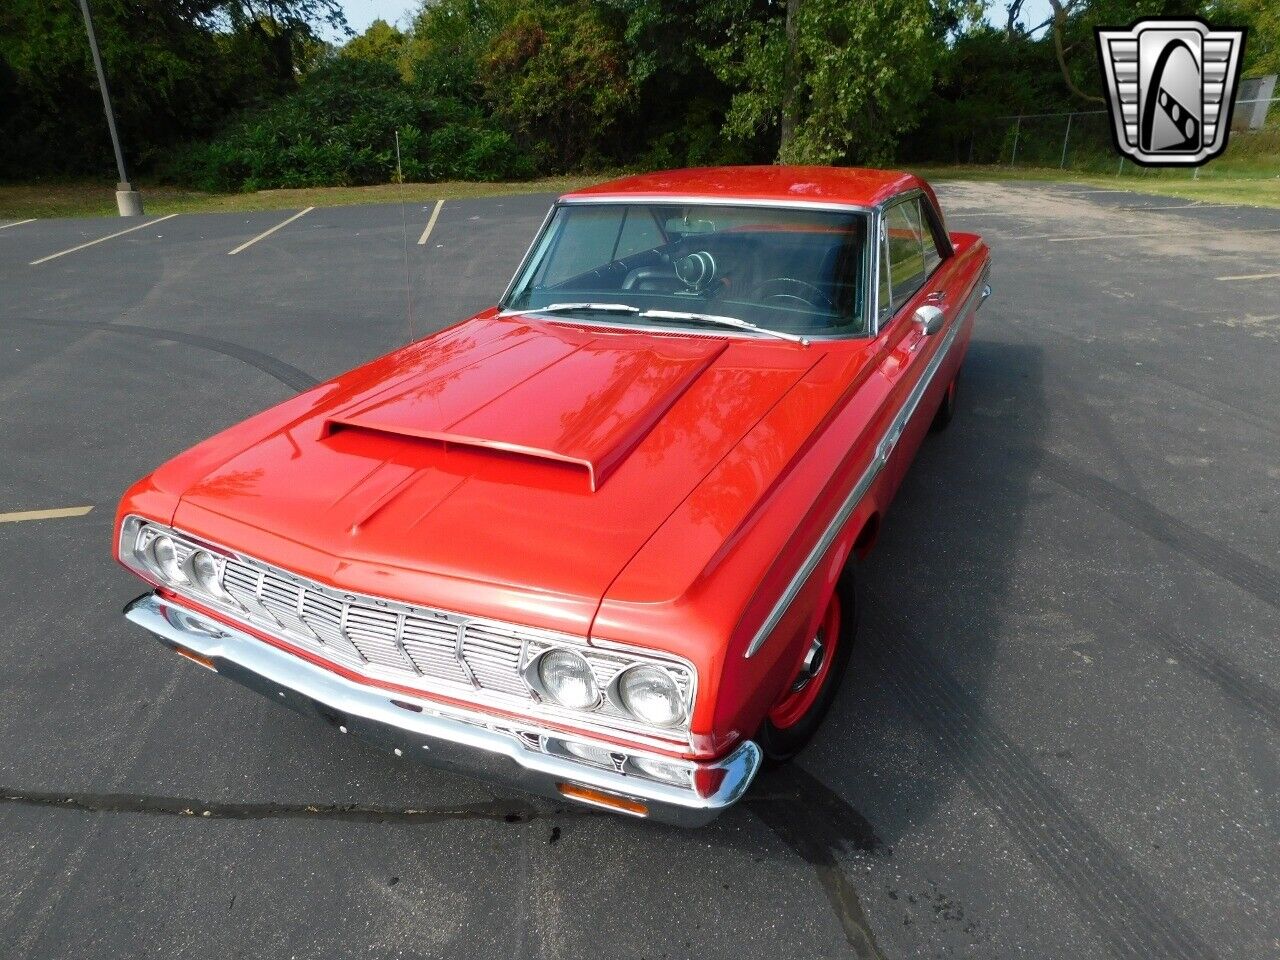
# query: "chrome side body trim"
513, 752
883, 451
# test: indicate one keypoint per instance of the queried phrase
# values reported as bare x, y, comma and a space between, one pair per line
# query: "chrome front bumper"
450, 738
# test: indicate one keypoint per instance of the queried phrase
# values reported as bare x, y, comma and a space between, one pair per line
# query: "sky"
361, 13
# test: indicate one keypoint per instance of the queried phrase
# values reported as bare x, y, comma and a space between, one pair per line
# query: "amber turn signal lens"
196, 658
602, 798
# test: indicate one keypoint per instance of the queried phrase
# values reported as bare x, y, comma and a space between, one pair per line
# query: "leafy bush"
338, 129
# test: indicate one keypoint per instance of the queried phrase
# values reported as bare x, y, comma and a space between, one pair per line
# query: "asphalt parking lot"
1058, 738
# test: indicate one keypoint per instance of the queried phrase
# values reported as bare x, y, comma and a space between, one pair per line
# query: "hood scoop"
585, 404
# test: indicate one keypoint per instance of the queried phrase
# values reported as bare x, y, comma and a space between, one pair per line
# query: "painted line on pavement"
267, 233
110, 236
1253, 276
17, 223
22, 515
431, 223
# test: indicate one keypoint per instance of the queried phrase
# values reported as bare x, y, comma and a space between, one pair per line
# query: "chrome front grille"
383, 638
470, 658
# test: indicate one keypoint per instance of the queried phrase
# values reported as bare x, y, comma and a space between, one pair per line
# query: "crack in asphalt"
504, 811
810, 818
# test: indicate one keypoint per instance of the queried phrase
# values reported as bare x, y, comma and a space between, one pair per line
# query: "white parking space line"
952, 216
17, 223
267, 233
110, 236
1253, 276
431, 223
58, 514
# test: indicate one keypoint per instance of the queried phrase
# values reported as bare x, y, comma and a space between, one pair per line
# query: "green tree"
851, 77
556, 75
1262, 18
381, 41
161, 60
284, 29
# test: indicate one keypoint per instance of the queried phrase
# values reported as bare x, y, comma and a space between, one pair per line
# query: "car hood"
533, 455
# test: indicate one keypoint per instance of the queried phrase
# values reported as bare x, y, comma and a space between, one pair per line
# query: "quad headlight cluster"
649, 693
174, 561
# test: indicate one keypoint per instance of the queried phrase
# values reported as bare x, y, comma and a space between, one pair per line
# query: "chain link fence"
1083, 141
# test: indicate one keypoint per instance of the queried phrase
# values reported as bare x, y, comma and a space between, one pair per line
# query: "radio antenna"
404, 226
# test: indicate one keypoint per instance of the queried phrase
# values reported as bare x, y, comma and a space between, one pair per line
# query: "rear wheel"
799, 711
946, 409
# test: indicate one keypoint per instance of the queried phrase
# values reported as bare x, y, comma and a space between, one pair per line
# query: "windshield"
796, 271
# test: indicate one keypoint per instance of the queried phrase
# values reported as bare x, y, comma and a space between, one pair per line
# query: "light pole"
128, 200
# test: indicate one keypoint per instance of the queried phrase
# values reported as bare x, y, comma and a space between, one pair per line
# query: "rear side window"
907, 270
909, 253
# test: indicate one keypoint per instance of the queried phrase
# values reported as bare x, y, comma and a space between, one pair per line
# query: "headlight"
162, 557
567, 678
651, 695
203, 571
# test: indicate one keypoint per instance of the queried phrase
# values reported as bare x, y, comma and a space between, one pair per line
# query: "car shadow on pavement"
932, 598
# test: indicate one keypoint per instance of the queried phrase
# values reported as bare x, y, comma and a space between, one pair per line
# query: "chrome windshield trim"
695, 200
537, 235
872, 213
884, 449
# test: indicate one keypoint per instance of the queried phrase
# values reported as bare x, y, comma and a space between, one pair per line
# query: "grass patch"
81, 199
1254, 181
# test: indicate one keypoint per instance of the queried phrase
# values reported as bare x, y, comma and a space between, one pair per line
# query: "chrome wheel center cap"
812, 662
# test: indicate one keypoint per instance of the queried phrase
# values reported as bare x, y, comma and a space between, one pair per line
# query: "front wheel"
816, 679
946, 409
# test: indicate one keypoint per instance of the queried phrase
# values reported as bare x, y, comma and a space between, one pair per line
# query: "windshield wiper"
721, 322
596, 307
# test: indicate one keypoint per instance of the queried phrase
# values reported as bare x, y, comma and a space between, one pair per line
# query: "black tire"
946, 409
780, 745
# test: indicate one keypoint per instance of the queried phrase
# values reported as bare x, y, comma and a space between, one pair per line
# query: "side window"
906, 250
585, 242
639, 232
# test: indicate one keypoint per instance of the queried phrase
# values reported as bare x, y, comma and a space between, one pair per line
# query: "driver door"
914, 268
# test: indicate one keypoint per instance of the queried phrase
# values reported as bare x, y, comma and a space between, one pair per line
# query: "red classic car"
596, 541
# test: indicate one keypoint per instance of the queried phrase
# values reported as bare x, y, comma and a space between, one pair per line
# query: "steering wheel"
788, 288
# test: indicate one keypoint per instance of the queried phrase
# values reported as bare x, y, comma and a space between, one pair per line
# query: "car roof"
855, 186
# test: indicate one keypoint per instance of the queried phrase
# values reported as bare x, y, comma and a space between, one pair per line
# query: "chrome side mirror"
931, 319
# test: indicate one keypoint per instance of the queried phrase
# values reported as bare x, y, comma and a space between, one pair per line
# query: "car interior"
799, 271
